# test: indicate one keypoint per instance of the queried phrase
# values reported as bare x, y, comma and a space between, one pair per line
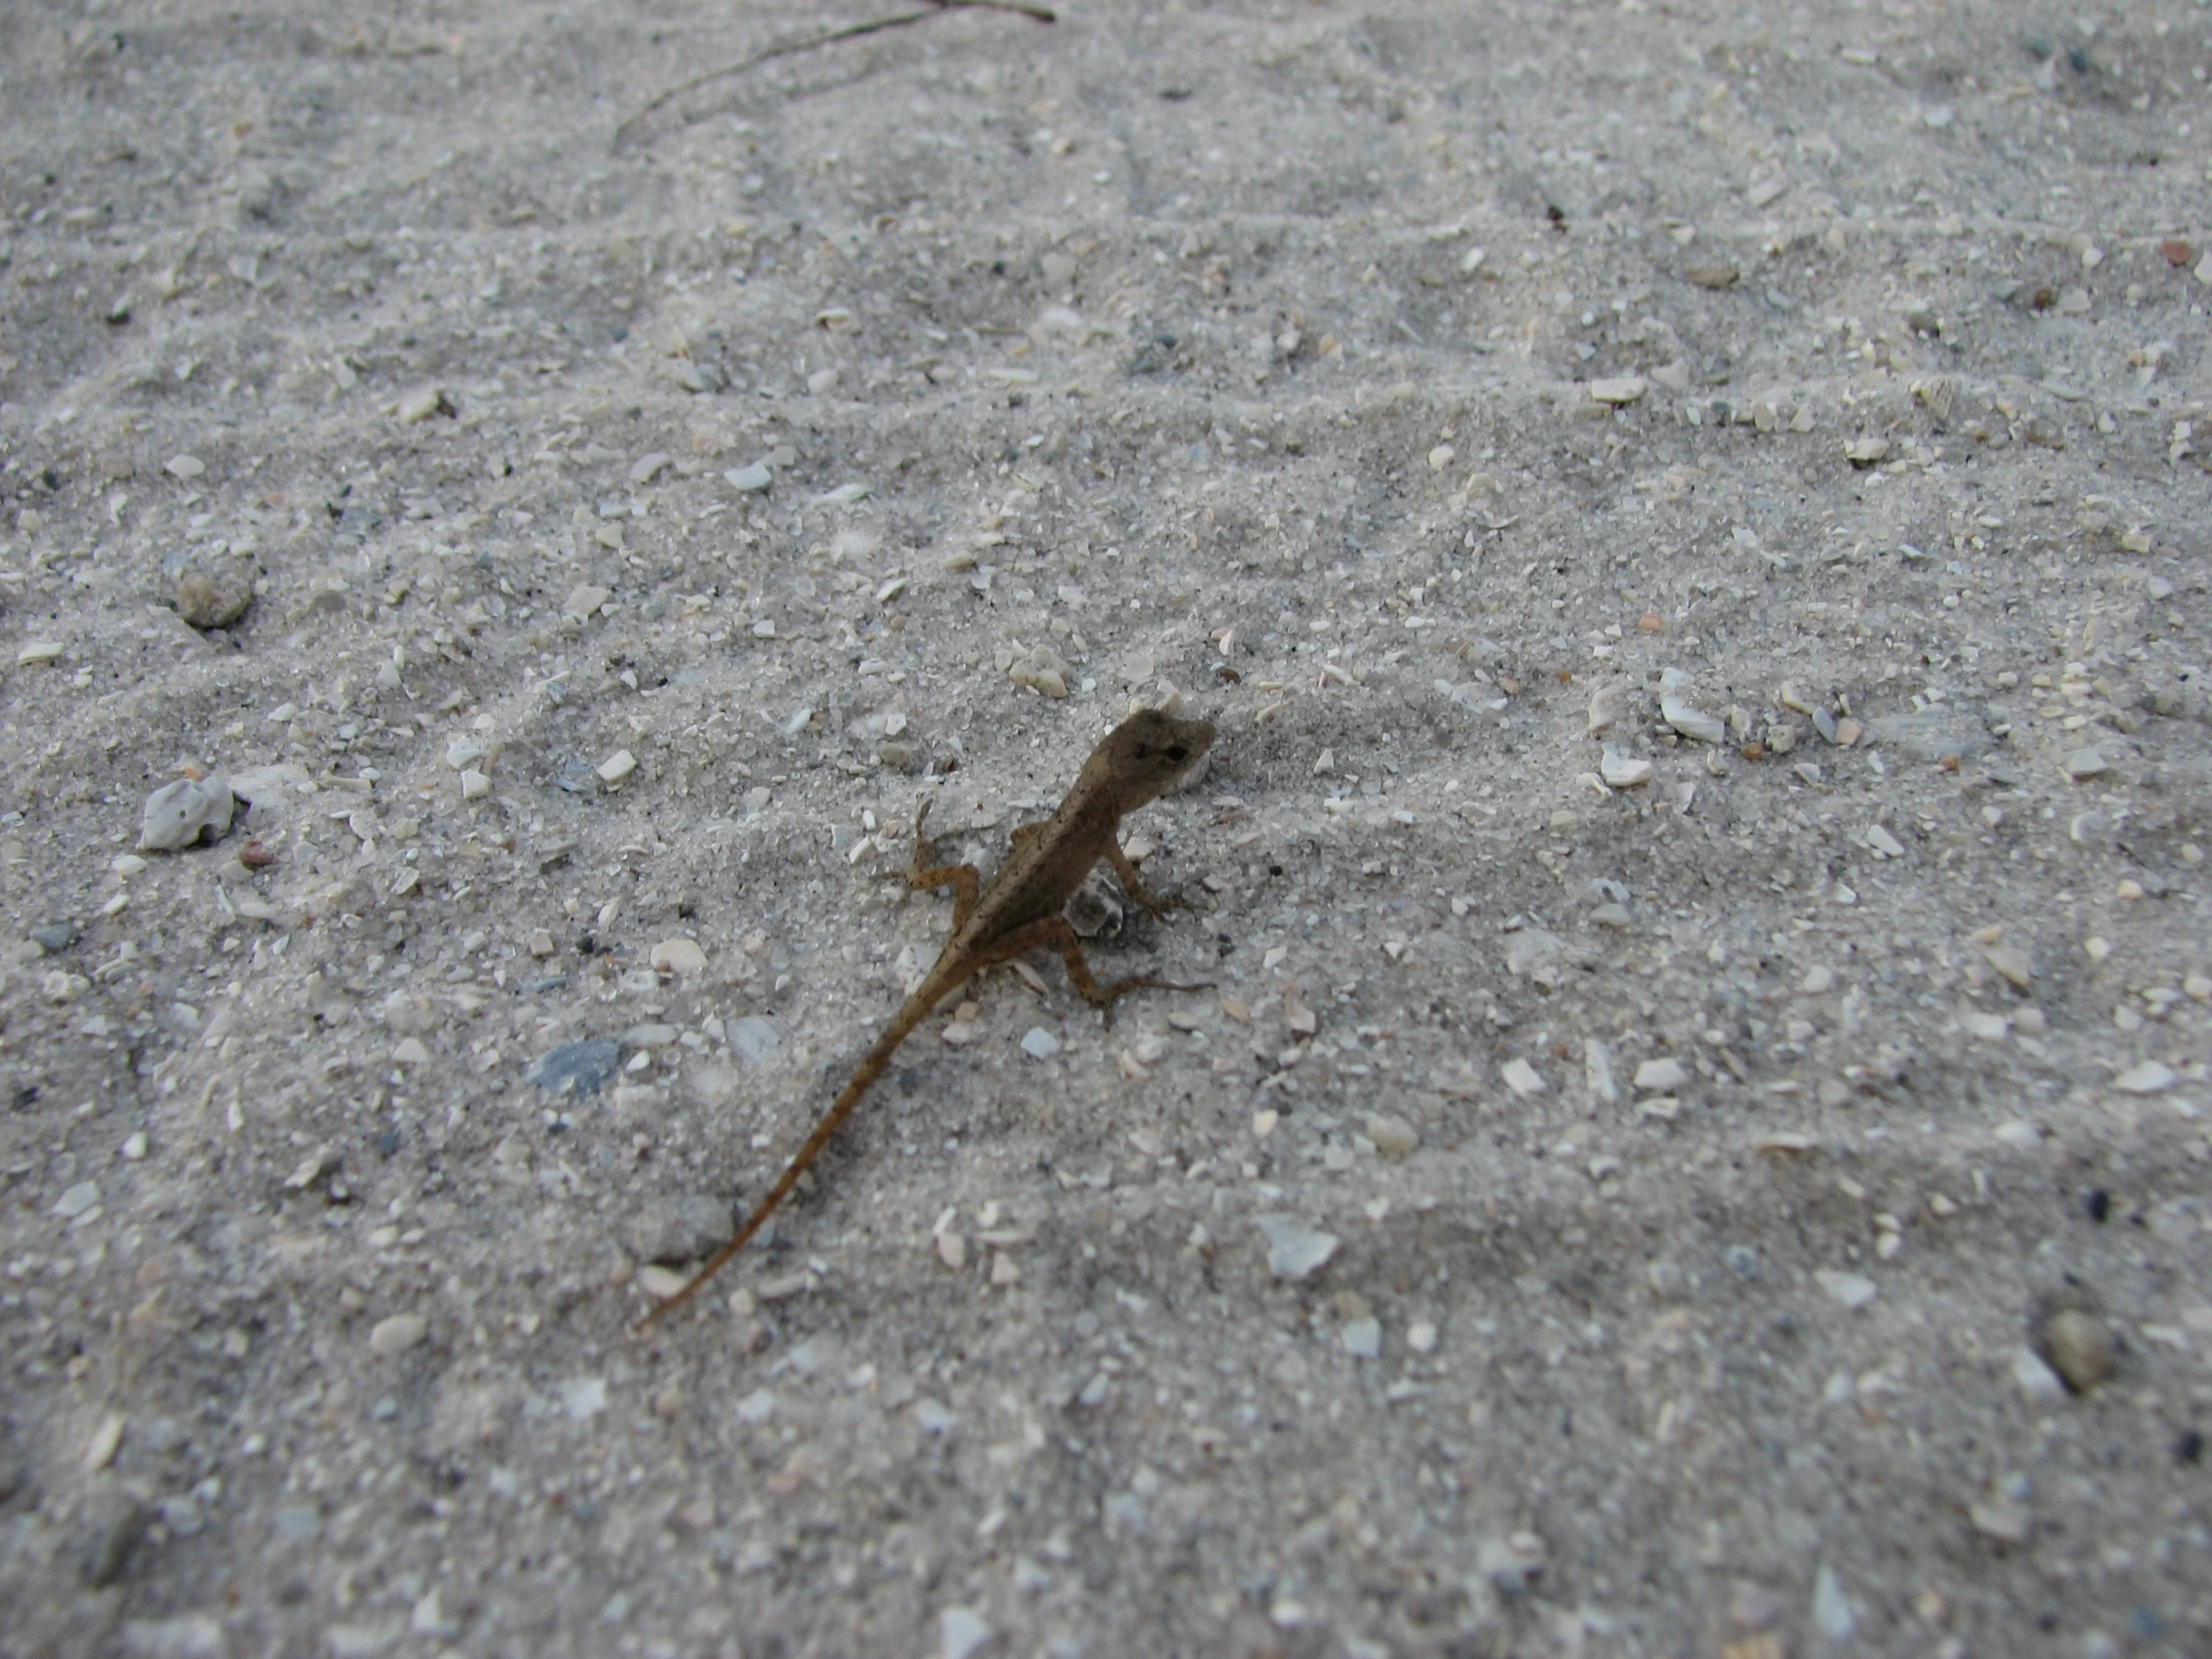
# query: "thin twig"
851, 31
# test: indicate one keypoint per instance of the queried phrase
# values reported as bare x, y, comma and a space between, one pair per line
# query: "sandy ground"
1708, 1162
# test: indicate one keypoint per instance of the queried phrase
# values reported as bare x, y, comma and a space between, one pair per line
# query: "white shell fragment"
1294, 1251
1623, 771
1608, 703
1686, 719
678, 955
177, 814
1523, 1078
2148, 1077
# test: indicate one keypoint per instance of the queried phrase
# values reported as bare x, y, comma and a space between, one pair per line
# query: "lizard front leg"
1055, 932
966, 880
1126, 873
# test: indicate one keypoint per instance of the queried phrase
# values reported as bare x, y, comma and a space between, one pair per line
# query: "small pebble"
420, 406
54, 937
1661, 1076
1678, 712
661, 1282
2146, 1077
1619, 390
1420, 1336
1039, 1044
1832, 1607
39, 651
583, 602
1608, 703
952, 1249
646, 468
1999, 1518
2011, 961
1362, 1337
178, 815
2035, 1378
1622, 771
961, 1631
1294, 1251
1393, 1137
397, 1333
408, 1051
1523, 1078
616, 767
750, 480
185, 466
578, 1068
677, 1229
678, 955
78, 1200
213, 599
2083, 763
2080, 1348
1850, 1289
106, 1439
584, 1397
1932, 736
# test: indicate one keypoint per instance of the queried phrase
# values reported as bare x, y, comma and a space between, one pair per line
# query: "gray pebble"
1932, 734
213, 599
295, 1524
113, 1528
677, 1229
2080, 1348
54, 937
1294, 1251
755, 1037
750, 480
577, 1068
180, 814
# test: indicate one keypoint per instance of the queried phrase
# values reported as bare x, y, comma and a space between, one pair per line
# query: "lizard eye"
1179, 754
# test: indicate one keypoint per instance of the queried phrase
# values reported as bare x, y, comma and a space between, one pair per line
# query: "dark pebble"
577, 1068
55, 938
113, 1532
2190, 1448
2098, 1204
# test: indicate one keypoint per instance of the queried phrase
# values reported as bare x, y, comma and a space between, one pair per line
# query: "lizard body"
1018, 910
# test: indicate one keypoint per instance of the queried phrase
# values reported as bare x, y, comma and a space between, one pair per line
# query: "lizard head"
1143, 756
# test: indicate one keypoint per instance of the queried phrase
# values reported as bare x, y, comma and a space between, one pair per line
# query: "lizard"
1018, 910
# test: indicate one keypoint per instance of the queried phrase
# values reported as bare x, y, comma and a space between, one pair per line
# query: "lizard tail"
864, 1077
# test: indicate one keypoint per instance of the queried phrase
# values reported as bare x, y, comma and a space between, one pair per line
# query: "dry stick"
851, 31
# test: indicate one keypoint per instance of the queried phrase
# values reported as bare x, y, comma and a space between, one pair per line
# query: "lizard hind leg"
966, 880
1055, 932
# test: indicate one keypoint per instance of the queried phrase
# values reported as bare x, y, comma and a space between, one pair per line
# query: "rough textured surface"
1239, 354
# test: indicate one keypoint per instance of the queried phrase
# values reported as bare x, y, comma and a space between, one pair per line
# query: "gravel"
1690, 524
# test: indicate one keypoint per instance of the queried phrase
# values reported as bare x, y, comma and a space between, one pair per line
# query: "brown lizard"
1138, 762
